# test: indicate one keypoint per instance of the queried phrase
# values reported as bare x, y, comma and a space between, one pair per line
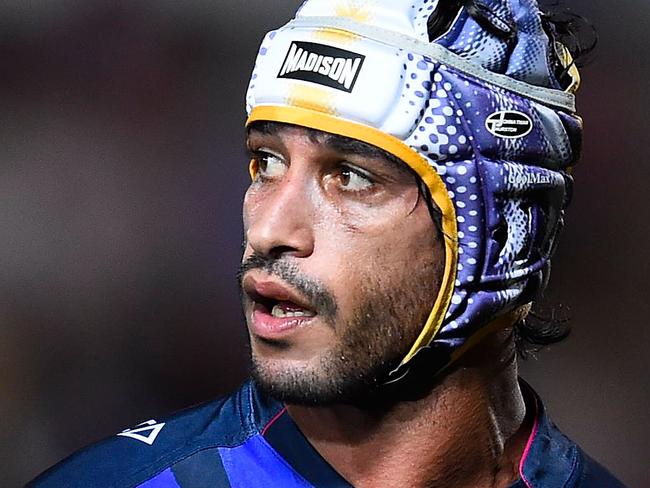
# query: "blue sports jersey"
248, 440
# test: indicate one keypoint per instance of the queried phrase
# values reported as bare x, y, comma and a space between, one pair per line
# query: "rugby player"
410, 165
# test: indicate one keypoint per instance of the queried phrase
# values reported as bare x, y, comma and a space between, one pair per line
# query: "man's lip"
265, 326
261, 289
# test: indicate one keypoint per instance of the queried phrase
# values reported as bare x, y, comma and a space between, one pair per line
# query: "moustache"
313, 290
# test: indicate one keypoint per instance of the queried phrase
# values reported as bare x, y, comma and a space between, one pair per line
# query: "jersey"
249, 440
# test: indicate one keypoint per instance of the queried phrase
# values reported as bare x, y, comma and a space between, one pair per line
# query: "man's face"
341, 267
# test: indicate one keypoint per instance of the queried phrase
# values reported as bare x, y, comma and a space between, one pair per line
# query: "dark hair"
577, 33
540, 328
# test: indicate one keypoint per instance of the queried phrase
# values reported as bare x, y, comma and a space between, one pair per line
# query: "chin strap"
432, 361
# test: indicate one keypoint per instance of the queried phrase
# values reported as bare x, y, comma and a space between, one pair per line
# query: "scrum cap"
479, 113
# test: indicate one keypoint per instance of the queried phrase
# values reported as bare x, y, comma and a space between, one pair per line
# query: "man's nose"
282, 222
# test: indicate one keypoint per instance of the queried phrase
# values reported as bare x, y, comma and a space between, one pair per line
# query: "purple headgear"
478, 114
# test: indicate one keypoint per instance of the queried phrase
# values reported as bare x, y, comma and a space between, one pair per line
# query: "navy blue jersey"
248, 440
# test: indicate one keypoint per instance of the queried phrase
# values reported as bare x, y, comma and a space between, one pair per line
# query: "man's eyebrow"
351, 146
346, 145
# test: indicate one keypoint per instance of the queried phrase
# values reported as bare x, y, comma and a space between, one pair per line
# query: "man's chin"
311, 385
288, 381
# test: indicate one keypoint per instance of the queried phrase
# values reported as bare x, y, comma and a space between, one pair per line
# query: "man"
410, 169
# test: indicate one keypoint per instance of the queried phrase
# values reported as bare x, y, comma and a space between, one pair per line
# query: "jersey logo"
321, 64
145, 432
509, 124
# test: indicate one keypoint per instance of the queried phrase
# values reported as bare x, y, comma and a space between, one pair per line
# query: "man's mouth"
278, 310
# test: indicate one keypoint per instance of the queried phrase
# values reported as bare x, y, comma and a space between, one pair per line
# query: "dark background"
122, 172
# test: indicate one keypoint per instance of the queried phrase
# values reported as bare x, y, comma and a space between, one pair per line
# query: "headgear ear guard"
478, 114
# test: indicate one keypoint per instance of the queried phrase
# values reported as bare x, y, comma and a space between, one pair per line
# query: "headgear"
479, 113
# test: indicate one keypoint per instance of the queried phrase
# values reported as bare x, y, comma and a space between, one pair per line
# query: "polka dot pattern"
250, 94
503, 242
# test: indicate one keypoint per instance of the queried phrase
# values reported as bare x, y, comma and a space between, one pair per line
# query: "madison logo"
325, 65
509, 124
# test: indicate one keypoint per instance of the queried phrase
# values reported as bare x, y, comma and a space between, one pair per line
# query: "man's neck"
469, 431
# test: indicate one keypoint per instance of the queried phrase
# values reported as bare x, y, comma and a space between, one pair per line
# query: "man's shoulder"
152, 448
553, 459
586, 472
594, 474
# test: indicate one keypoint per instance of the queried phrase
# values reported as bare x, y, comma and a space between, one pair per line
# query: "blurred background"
122, 173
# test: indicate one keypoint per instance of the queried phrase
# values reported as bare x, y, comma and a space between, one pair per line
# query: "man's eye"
353, 180
270, 165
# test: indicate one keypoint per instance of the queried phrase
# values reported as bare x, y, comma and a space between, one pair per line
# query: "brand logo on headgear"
524, 179
509, 124
325, 65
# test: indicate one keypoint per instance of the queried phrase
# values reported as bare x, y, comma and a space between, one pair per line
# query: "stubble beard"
374, 340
